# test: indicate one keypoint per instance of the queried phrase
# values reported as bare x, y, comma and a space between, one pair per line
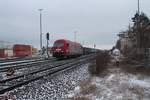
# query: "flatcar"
66, 48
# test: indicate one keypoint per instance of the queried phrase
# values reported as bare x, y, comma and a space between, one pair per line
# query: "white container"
9, 52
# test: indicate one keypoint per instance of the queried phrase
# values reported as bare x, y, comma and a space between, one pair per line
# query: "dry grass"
138, 91
136, 70
80, 98
99, 65
87, 89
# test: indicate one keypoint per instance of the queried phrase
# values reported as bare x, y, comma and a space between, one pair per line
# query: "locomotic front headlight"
67, 50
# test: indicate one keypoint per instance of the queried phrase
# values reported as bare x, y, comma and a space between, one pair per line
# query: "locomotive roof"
68, 41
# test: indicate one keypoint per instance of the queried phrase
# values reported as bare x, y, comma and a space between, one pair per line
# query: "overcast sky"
96, 21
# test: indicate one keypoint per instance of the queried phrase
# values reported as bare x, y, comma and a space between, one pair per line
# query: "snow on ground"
53, 87
77, 84
116, 85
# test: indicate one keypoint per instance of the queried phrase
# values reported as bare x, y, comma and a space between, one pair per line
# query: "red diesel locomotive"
66, 48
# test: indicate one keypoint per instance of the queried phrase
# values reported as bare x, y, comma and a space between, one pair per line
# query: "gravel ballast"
54, 87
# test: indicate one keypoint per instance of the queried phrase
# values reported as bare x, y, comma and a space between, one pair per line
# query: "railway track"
20, 61
25, 78
23, 64
17, 59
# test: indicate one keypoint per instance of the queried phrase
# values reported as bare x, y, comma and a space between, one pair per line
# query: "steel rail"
23, 65
51, 71
38, 70
19, 62
17, 59
33, 72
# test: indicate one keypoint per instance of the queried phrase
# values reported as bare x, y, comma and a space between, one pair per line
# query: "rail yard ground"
54, 87
107, 82
124, 82
53, 81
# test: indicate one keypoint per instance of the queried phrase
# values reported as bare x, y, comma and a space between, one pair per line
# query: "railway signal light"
47, 36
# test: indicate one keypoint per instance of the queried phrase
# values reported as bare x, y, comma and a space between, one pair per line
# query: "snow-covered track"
26, 78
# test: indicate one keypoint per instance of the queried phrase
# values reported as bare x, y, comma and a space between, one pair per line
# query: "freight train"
17, 50
66, 48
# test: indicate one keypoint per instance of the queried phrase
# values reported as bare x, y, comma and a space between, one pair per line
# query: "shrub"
99, 64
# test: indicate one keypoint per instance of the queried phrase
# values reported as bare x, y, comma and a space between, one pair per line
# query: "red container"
2, 53
20, 50
21, 47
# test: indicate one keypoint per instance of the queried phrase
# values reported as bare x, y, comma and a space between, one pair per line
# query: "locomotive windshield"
58, 44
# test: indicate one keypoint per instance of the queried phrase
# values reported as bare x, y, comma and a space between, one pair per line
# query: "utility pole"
47, 38
139, 45
94, 46
138, 25
138, 6
40, 10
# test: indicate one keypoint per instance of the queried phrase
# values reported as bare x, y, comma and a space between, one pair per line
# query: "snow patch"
140, 83
110, 77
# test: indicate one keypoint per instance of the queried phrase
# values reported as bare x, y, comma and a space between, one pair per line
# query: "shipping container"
9, 52
21, 53
34, 50
17, 50
21, 47
20, 50
6, 53
2, 53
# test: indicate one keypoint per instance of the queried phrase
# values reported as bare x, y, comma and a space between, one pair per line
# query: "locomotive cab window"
58, 44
